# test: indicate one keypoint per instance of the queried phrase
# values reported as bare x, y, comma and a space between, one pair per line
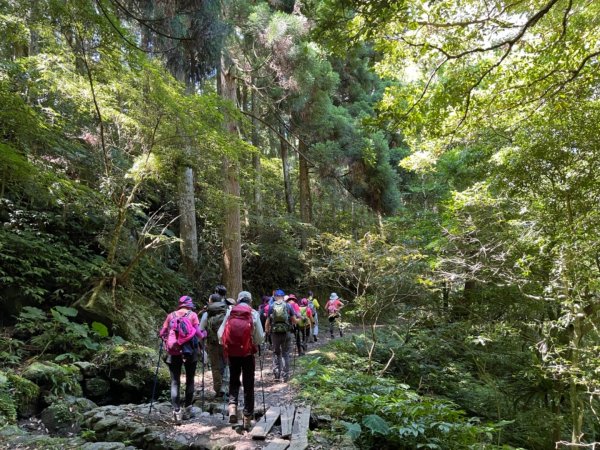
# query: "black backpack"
215, 316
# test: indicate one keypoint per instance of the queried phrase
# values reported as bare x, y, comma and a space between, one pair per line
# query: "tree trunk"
232, 240
187, 222
256, 157
287, 184
304, 192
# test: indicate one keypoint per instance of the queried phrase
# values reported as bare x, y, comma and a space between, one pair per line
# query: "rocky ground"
133, 426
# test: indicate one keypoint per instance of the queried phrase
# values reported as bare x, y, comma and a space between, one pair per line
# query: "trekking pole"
262, 383
156, 376
203, 363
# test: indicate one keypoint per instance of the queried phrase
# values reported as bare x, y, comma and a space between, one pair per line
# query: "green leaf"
66, 311
376, 424
100, 328
352, 429
32, 313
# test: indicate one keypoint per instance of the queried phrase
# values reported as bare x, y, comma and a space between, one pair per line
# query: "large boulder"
8, 409
55, 380
26, 395
131, 370
66, 415
136, 319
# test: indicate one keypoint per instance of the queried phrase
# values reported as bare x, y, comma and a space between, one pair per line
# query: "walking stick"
262, 383
156, 376
203, 363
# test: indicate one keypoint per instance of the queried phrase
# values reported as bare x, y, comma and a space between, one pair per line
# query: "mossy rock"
117, 312
131, 368
55, 379
8, 408
96, 388
66, 415
26, 395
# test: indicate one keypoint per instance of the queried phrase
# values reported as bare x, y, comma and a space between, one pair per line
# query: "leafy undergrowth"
379, 412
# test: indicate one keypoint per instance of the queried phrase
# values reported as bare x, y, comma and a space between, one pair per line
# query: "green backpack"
280, 318
215, 316
303, 321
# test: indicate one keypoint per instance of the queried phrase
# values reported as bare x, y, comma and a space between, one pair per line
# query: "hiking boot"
177, 416
247, 423
188, 413
315, 338
232, 410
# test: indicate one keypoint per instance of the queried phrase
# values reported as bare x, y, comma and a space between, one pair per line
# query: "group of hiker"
230, 332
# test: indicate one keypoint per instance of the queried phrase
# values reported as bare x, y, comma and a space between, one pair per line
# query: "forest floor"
217, 426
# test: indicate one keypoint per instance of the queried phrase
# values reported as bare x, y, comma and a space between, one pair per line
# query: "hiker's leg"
331, 322
235, 370
278, 340
216, 365
190, 375
298, 343
285, 352
175, 372
248, 367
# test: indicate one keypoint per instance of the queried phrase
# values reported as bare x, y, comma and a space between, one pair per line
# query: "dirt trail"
216, 425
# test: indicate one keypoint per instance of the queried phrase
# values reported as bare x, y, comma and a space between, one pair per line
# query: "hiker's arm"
268, 325
258, 335
164, 329
222, 327
204, 321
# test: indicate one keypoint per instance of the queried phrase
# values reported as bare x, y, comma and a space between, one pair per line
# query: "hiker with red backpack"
181, 334
211, 322
240, 334
280, 324
333, 307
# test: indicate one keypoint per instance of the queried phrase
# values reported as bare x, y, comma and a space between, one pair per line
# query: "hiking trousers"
217, 365
175, 371
281, 354
244, 366
332, 320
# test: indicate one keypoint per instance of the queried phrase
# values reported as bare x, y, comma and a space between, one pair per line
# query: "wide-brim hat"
333, 296
292, 297
186, 301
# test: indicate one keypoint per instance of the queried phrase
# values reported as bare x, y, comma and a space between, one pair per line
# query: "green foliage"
54, 379
383, 412
56, 333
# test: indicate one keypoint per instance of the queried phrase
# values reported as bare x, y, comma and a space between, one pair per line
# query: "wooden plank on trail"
277, 444
287, 418
299, 439
262, 427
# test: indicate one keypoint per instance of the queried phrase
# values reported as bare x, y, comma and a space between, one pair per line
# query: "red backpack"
181, 331
237, 336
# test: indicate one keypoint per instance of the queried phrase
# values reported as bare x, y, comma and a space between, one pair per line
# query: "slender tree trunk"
187, 222
287, 184
304, 191
232, 240
256, 157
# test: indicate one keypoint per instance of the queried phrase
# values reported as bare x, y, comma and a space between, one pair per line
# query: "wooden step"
287, 419
299, 439
264, 425
277, 444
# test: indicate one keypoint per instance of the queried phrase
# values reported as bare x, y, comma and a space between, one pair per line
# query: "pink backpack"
181, 331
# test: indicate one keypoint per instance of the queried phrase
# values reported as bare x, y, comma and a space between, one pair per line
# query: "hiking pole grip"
160, 348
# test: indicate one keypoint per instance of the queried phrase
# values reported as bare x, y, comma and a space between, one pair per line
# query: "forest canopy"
434, 163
